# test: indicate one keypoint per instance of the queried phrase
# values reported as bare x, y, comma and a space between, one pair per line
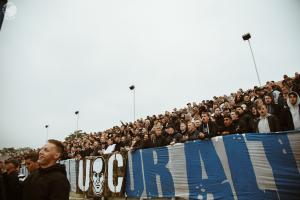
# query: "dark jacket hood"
57, 167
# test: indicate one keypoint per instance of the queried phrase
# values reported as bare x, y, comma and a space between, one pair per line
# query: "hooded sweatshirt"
47, 184
294, 109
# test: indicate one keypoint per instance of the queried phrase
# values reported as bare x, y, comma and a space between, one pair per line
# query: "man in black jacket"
49, 182
159, 140
172, 136
266, 122
228, 126
208, 128
272, 108
2, 193
11, 181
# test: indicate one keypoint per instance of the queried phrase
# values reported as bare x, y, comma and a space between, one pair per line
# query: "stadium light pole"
132, 87
77, 116
46, 126
246, 37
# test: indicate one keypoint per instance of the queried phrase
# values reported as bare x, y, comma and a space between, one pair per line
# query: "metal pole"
254, 62
77, 122
77, 125
47, 126
134, 105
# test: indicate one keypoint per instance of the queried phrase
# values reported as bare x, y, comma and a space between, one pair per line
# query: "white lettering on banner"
144, 179
220, 149
129, 163
295, 146
73, 174
84, 185
118, 157
262, 168
178, 169
158, 181
98, 176
203, 170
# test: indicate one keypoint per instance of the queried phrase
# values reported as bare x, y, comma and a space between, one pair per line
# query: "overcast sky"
59, 56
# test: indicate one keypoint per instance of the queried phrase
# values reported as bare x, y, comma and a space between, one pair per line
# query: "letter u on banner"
84, 185
118, 157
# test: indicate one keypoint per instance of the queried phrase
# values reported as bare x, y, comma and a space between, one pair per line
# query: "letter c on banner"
118, 157
84, 187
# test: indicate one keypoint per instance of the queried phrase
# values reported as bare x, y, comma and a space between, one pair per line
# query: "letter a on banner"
206, 176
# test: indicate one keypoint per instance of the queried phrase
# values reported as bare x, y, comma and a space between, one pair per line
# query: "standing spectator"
119, 144
50, 180
147, 143
2, 189
272, 108
245, 125
290, 117
266, 122
192, 131
86, 151
136, 143
183, 132
208, 128
172, 136
238, 97
31, 162
247, 101
236, 121
110, 146
197, 123
228, 126
296, 83
11, 181
96, 149
159, 140
219, 119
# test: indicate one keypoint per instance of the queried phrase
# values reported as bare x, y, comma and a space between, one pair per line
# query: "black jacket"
220, 122
47, 184
274, 109
175, 137
287, 122
160, 141
210, 131
2, 192
273, 121
12, 186
245, 125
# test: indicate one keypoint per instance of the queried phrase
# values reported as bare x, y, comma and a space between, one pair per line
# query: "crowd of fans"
271, 108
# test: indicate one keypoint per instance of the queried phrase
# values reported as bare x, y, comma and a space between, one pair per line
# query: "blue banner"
247, 166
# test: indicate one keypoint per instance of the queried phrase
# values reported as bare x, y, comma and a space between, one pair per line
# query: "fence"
247, 166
